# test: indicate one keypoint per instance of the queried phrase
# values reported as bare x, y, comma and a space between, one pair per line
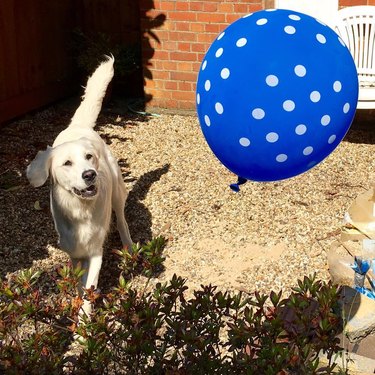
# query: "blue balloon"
276, 93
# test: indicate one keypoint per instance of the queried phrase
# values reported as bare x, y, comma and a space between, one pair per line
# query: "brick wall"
347, 3
176, 35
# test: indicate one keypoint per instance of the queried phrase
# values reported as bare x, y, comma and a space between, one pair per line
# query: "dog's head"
72, 165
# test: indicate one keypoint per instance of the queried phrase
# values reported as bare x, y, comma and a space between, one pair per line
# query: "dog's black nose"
89, 176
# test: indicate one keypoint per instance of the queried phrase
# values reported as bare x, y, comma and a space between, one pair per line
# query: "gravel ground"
263, 238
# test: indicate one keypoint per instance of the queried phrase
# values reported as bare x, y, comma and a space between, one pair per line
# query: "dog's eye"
68, 163
88, 156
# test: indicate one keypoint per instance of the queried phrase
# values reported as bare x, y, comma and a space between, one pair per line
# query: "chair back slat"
356, 26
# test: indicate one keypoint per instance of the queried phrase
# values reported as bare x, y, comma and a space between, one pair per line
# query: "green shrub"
162, 331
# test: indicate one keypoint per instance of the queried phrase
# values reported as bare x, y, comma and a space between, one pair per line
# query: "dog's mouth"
89, 192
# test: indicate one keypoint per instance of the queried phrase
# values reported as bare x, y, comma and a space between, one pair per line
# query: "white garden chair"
356, 27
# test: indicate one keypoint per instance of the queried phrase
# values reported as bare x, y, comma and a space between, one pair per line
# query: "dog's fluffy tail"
88, 111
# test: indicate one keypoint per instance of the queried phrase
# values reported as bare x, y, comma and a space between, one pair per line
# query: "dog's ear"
38, 170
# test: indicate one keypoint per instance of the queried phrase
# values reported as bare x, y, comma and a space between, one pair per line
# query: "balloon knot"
236, 187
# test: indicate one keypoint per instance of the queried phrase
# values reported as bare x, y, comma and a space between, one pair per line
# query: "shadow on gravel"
139, 221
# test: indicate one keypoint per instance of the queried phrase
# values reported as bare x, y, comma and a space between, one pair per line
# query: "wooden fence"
37, 65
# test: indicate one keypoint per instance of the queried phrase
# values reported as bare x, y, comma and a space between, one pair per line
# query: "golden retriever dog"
86, 183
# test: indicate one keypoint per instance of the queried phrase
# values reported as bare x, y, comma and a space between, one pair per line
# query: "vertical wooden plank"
36, 62
8, 68
35, 65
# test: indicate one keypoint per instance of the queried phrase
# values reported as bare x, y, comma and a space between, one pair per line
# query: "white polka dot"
258, 113
300, 70
207, 120
198, 99
221, 35
337, 86
219, 108
207, 85
262, 21
272, 137
247, 15
281, 158
204, 65
301, 129
294, 17
346, 108
272, 80
321, 38
225, 72
219, 52
325, 120
241, 42
315, 96
290, 29
245, 142
308, 150
332, 139
289, 105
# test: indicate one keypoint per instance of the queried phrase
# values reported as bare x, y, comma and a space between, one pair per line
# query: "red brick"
183, 26
165, 5
183, 76
182, 16
170, 45
161, 34
182, 5
225, 8
171, 103
183, 95
241, 8
352, 2
187, 105
197, 27
161, 74
209, 6
213, 27
183, 56
186, 47
158, 84
198, 47
170, 65
210, 17
206, 38
230, 18
157, 64
184, 66
160, 55
161, 94
196, 5
171, 85
185, 86
183, 36
169, 26
254, 8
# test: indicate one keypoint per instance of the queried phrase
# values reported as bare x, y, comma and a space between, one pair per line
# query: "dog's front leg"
91, 276
89, 279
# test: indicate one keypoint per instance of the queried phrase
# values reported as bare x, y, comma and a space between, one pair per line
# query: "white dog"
86, 183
